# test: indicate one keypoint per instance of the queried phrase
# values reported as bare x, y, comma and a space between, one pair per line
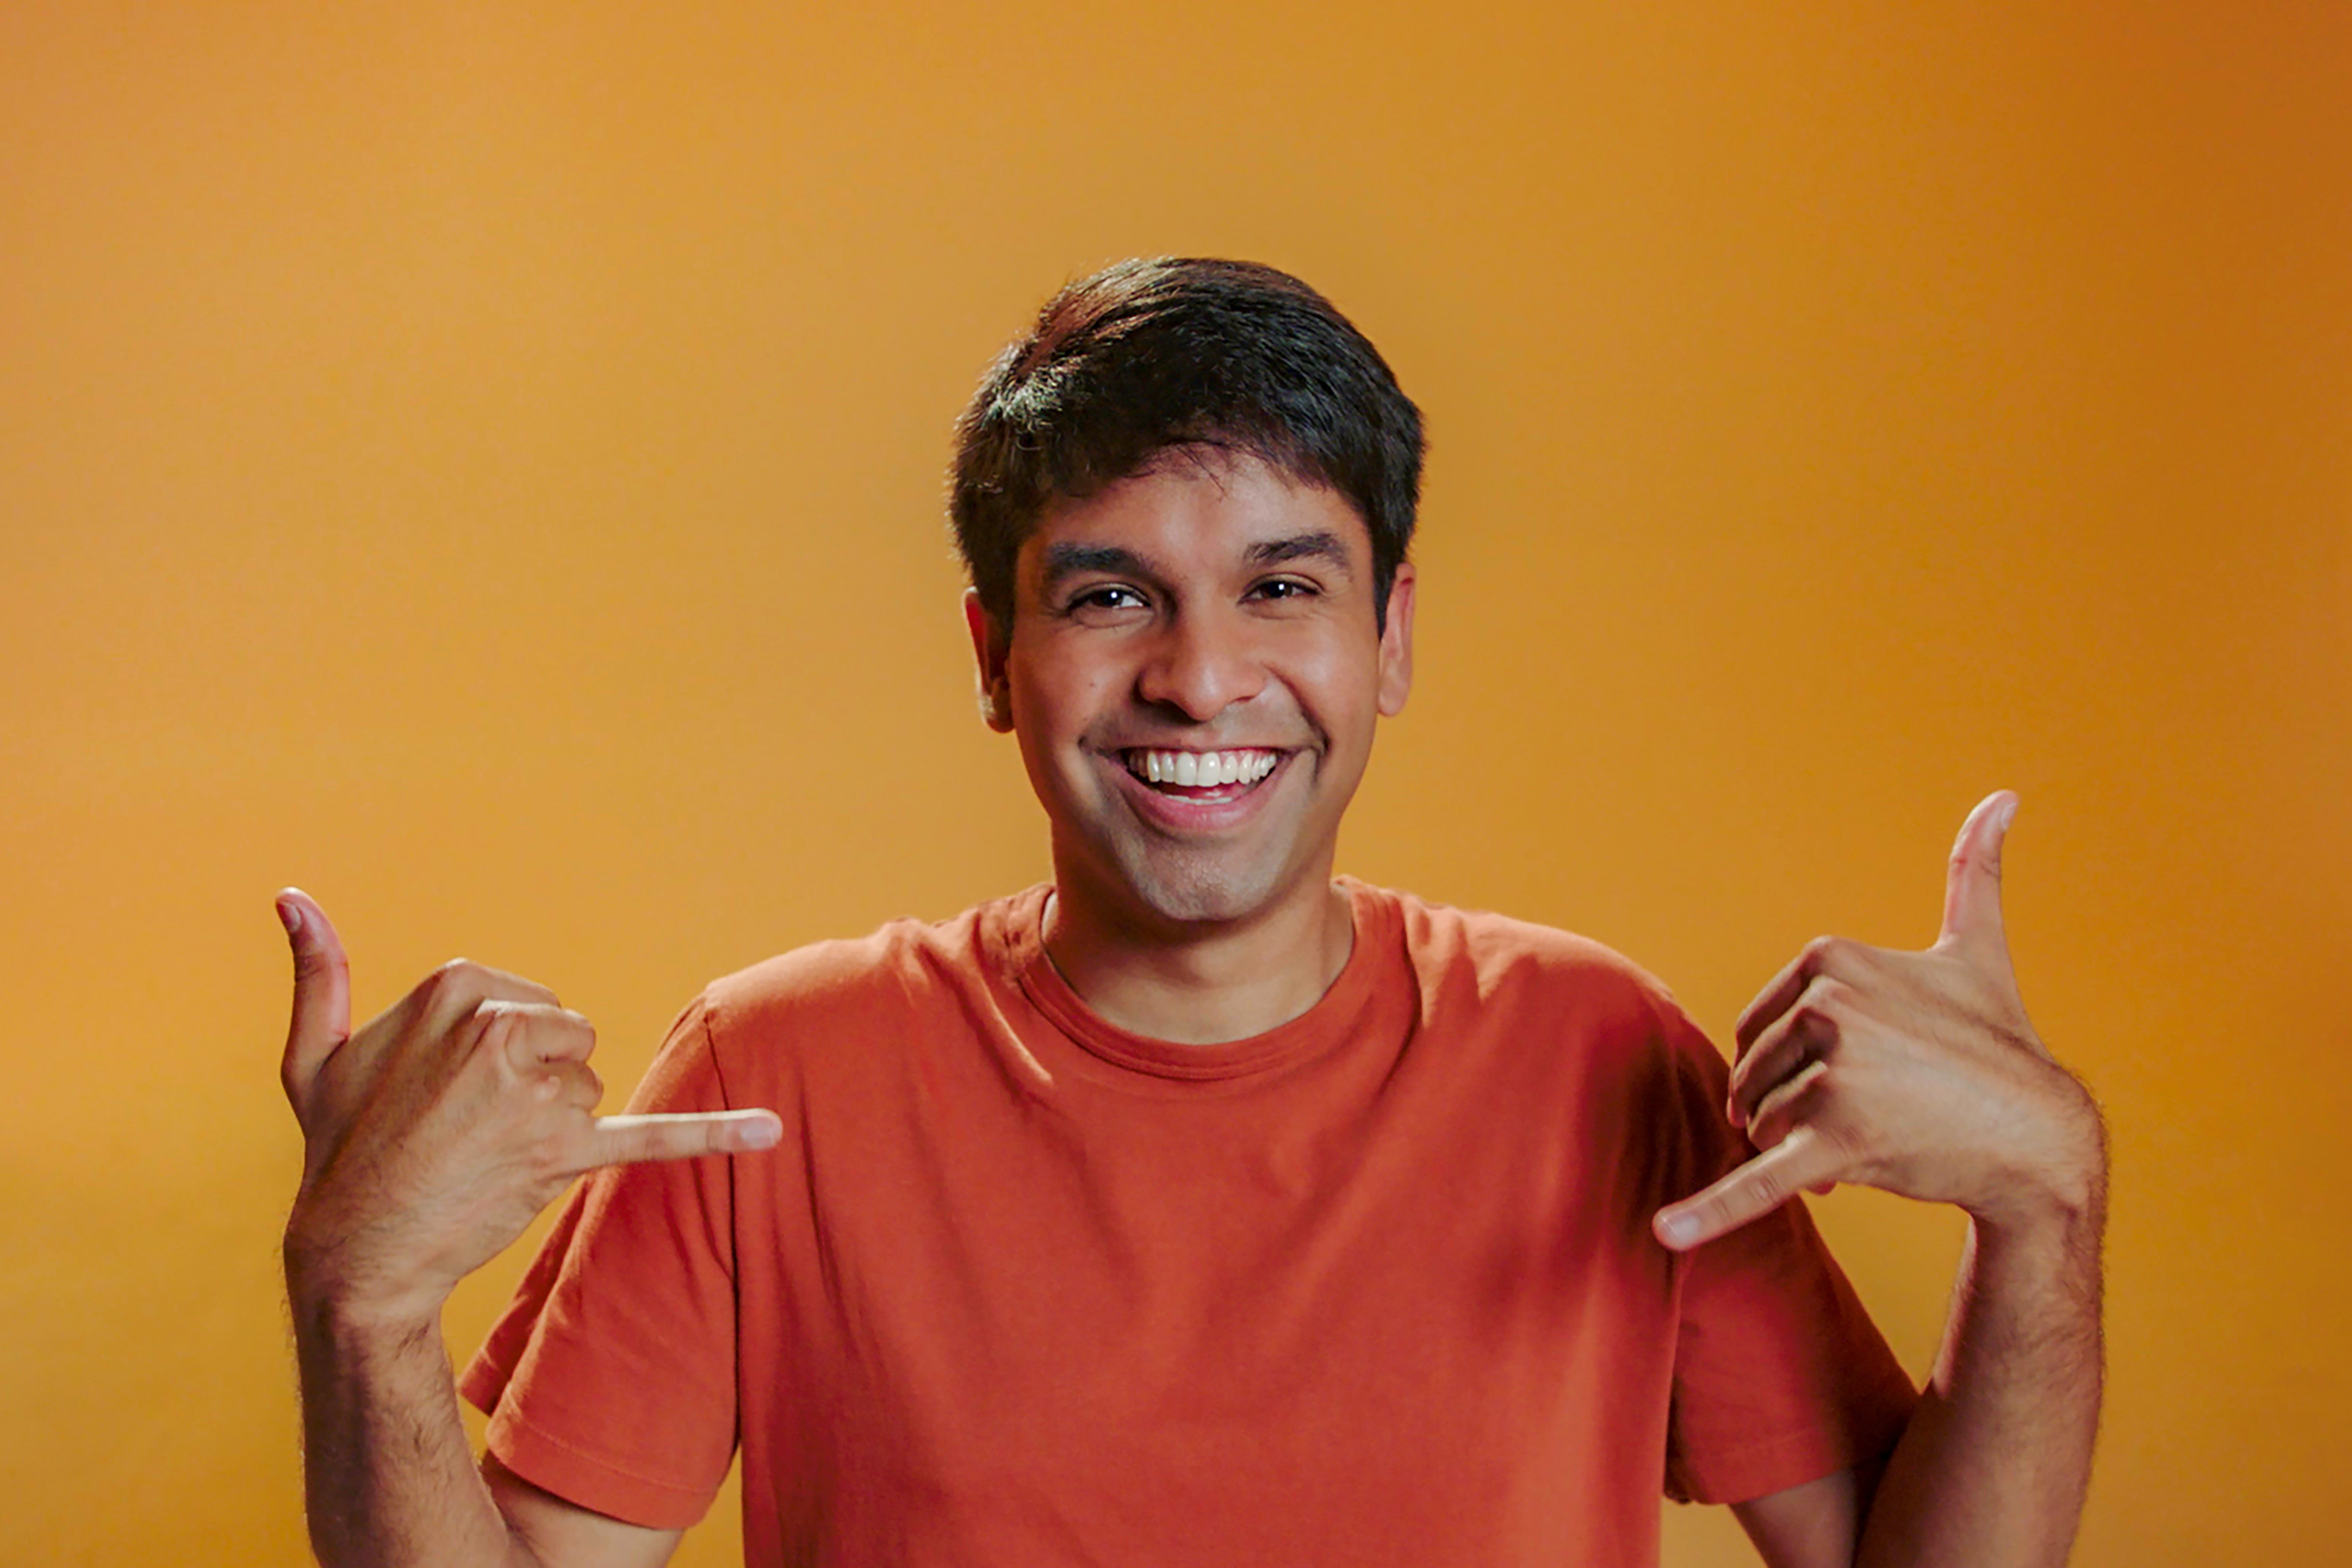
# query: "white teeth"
1205, 770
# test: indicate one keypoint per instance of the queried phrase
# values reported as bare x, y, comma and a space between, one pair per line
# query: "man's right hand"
434, 1135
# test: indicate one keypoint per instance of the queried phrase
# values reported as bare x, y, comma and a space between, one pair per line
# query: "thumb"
322, 992
1972, 884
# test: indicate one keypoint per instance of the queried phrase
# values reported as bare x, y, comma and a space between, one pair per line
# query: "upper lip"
1197, 747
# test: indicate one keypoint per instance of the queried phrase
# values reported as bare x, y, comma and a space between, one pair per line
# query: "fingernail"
2008, 815
760, 1133
1679, 1230
290, 914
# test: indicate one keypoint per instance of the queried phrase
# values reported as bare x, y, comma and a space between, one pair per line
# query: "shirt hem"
1760, 1468
553, 1465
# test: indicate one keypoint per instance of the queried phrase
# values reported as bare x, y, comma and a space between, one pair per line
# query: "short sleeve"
610, 1380
1779, 1375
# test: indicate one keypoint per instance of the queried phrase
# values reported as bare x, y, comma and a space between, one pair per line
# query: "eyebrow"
1066, 560
1321, 544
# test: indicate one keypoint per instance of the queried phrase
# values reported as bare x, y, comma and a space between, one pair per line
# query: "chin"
1200, 890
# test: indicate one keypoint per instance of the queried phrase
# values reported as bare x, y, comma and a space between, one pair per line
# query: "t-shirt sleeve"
610, 1380
1779, 1375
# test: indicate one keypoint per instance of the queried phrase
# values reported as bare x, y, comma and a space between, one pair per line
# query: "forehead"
1199, 509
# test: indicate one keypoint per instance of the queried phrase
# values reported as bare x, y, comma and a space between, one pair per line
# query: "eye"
1280, 588
1105, 596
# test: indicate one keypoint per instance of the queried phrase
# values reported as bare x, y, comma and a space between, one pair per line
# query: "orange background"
484, 464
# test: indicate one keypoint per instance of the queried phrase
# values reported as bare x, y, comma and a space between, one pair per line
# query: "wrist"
329, 1299
2063, 1191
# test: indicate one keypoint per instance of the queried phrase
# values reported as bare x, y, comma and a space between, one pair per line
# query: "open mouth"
1207, 777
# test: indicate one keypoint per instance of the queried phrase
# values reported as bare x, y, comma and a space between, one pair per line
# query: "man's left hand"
1918, 1074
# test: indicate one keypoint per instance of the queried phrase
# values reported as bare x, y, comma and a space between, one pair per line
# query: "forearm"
389, 1475
1992, 1471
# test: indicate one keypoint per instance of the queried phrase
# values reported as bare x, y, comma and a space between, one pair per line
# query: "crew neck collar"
1319, 1028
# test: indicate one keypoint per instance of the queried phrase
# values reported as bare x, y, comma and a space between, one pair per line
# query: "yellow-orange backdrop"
482, 463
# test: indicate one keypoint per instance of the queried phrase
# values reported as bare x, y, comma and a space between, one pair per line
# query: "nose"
1200, 664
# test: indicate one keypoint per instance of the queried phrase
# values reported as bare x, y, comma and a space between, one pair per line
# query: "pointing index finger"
1801, 1159
629, 1140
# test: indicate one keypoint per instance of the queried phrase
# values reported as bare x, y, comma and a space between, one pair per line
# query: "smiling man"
1194, 678
1198, 1207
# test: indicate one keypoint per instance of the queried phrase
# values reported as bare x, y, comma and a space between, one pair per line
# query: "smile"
1203, 774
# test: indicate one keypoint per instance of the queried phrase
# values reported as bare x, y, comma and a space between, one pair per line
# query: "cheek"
1055, 705
1058, 707
1339, 687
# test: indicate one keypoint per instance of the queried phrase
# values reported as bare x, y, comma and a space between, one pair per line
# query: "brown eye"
1110, 596
1284, 587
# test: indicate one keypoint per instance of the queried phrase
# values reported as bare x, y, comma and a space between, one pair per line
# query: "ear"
1396, 643
988, 653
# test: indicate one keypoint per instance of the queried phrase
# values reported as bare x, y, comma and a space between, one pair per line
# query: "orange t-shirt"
1021, 1288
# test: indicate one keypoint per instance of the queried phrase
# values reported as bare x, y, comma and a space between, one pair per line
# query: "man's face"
1193, 674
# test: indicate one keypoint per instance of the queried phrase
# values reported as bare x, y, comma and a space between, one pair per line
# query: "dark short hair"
1170, 352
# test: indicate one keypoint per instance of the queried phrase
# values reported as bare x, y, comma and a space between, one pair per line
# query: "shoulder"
850, 1018
1557, 1019
1536, 985
897, 966
1506, 961
852, 1005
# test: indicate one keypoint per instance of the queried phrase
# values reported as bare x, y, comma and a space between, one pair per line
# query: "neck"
1204, 984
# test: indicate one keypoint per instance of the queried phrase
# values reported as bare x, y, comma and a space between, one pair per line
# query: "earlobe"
988, 653
1396, 643
996, 708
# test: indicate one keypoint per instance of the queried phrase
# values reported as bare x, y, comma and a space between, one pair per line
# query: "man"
1198, 1207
